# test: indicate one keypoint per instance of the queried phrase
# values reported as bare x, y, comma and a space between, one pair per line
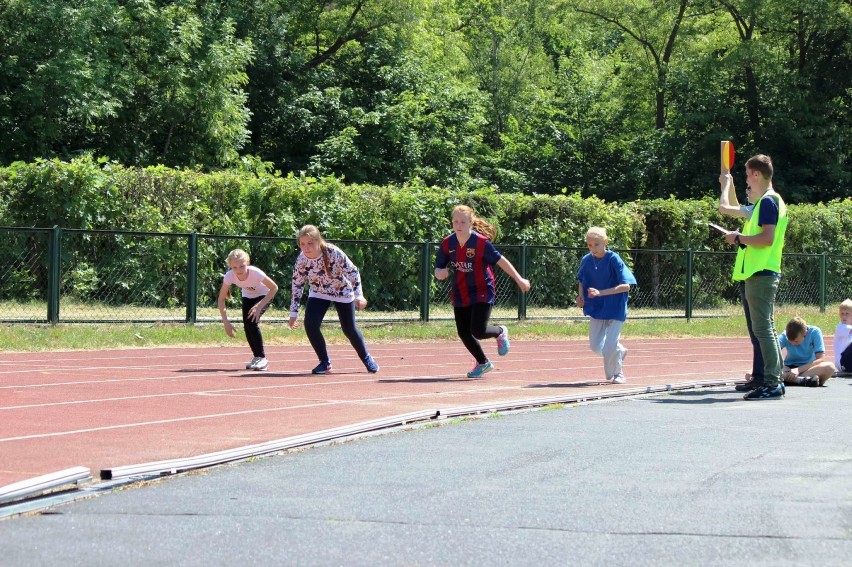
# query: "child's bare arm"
254, 312
620, 288
507, 267
224, 293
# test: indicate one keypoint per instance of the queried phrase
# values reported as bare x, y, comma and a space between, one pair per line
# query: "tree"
655, 26
137, 81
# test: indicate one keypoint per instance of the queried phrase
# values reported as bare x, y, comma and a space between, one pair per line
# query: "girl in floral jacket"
332, 278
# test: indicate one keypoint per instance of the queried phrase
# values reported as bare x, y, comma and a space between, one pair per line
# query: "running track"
104, 409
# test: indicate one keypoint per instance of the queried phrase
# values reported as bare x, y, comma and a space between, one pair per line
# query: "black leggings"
314, 314
472, 325
252, 329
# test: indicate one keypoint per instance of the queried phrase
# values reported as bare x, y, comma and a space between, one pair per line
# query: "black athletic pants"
252, 329
315, 312
472, 325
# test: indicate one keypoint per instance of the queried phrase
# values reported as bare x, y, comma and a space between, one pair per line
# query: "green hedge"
98, 194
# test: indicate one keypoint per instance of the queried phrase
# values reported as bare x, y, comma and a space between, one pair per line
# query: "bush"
89, 193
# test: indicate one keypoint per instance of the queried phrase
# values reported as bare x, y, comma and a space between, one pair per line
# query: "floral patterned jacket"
341, 283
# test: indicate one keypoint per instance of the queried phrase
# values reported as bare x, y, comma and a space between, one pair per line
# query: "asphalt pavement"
687, 478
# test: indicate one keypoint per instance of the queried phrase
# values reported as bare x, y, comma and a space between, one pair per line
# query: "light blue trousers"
603, 339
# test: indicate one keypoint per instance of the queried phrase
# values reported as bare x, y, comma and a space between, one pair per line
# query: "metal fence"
70, 275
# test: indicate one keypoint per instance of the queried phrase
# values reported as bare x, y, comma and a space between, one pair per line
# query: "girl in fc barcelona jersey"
469, 254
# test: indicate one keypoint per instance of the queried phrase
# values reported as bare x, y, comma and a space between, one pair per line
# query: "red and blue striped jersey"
471, 266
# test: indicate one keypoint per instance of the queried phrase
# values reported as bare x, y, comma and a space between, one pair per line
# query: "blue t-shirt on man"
804, 353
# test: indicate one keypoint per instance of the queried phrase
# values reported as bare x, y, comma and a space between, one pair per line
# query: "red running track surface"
104, 409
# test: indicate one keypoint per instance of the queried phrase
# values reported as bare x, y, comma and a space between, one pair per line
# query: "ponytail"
478, 224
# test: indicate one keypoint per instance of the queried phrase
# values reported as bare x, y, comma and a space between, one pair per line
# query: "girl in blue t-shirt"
469, 253
604, 281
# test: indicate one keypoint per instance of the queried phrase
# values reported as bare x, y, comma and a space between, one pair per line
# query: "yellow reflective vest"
751, 259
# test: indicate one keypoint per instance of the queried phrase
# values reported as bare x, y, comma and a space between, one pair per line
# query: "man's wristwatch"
737, 240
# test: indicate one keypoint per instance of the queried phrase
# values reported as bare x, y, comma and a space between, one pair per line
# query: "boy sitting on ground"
843, 340
804, 363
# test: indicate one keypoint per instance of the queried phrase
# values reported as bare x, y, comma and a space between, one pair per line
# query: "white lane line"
218, 357
246, 412
449, 378
655, 362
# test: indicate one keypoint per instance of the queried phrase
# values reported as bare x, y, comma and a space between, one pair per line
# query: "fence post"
522, 297
54, 252
689, 264
822, 281
425, 280
192, 278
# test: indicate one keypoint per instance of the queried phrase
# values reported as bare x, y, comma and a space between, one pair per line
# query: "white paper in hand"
721, 229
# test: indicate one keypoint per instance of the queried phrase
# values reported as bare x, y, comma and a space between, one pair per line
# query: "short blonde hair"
238, 254
596, 232
846, 304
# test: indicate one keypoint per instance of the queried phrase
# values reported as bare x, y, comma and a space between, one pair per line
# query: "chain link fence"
53, 275
23, 274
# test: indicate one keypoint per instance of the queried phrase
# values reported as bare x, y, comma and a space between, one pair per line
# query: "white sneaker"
252, 362
261, 364
503, 341
618, 379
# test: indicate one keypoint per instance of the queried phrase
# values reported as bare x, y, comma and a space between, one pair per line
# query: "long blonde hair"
478, 224
314, 234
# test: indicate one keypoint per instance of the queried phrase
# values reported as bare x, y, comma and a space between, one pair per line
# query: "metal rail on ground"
39, 485
120, 476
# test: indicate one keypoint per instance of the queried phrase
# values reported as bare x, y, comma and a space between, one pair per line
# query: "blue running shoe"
480, 369
503, 341
766, 393
322, 368
371, 365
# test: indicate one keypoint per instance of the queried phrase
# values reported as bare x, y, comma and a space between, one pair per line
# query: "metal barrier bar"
425, 280
174, 466
690, 257
41, 484
522, 297
192, 278
822, 281
54, 253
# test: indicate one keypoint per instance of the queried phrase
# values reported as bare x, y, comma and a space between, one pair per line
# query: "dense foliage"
622, 100
386, 228
90, 194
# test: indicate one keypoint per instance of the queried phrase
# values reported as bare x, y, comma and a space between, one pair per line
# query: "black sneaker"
766, 393
812, 381
752, 384
322, 368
